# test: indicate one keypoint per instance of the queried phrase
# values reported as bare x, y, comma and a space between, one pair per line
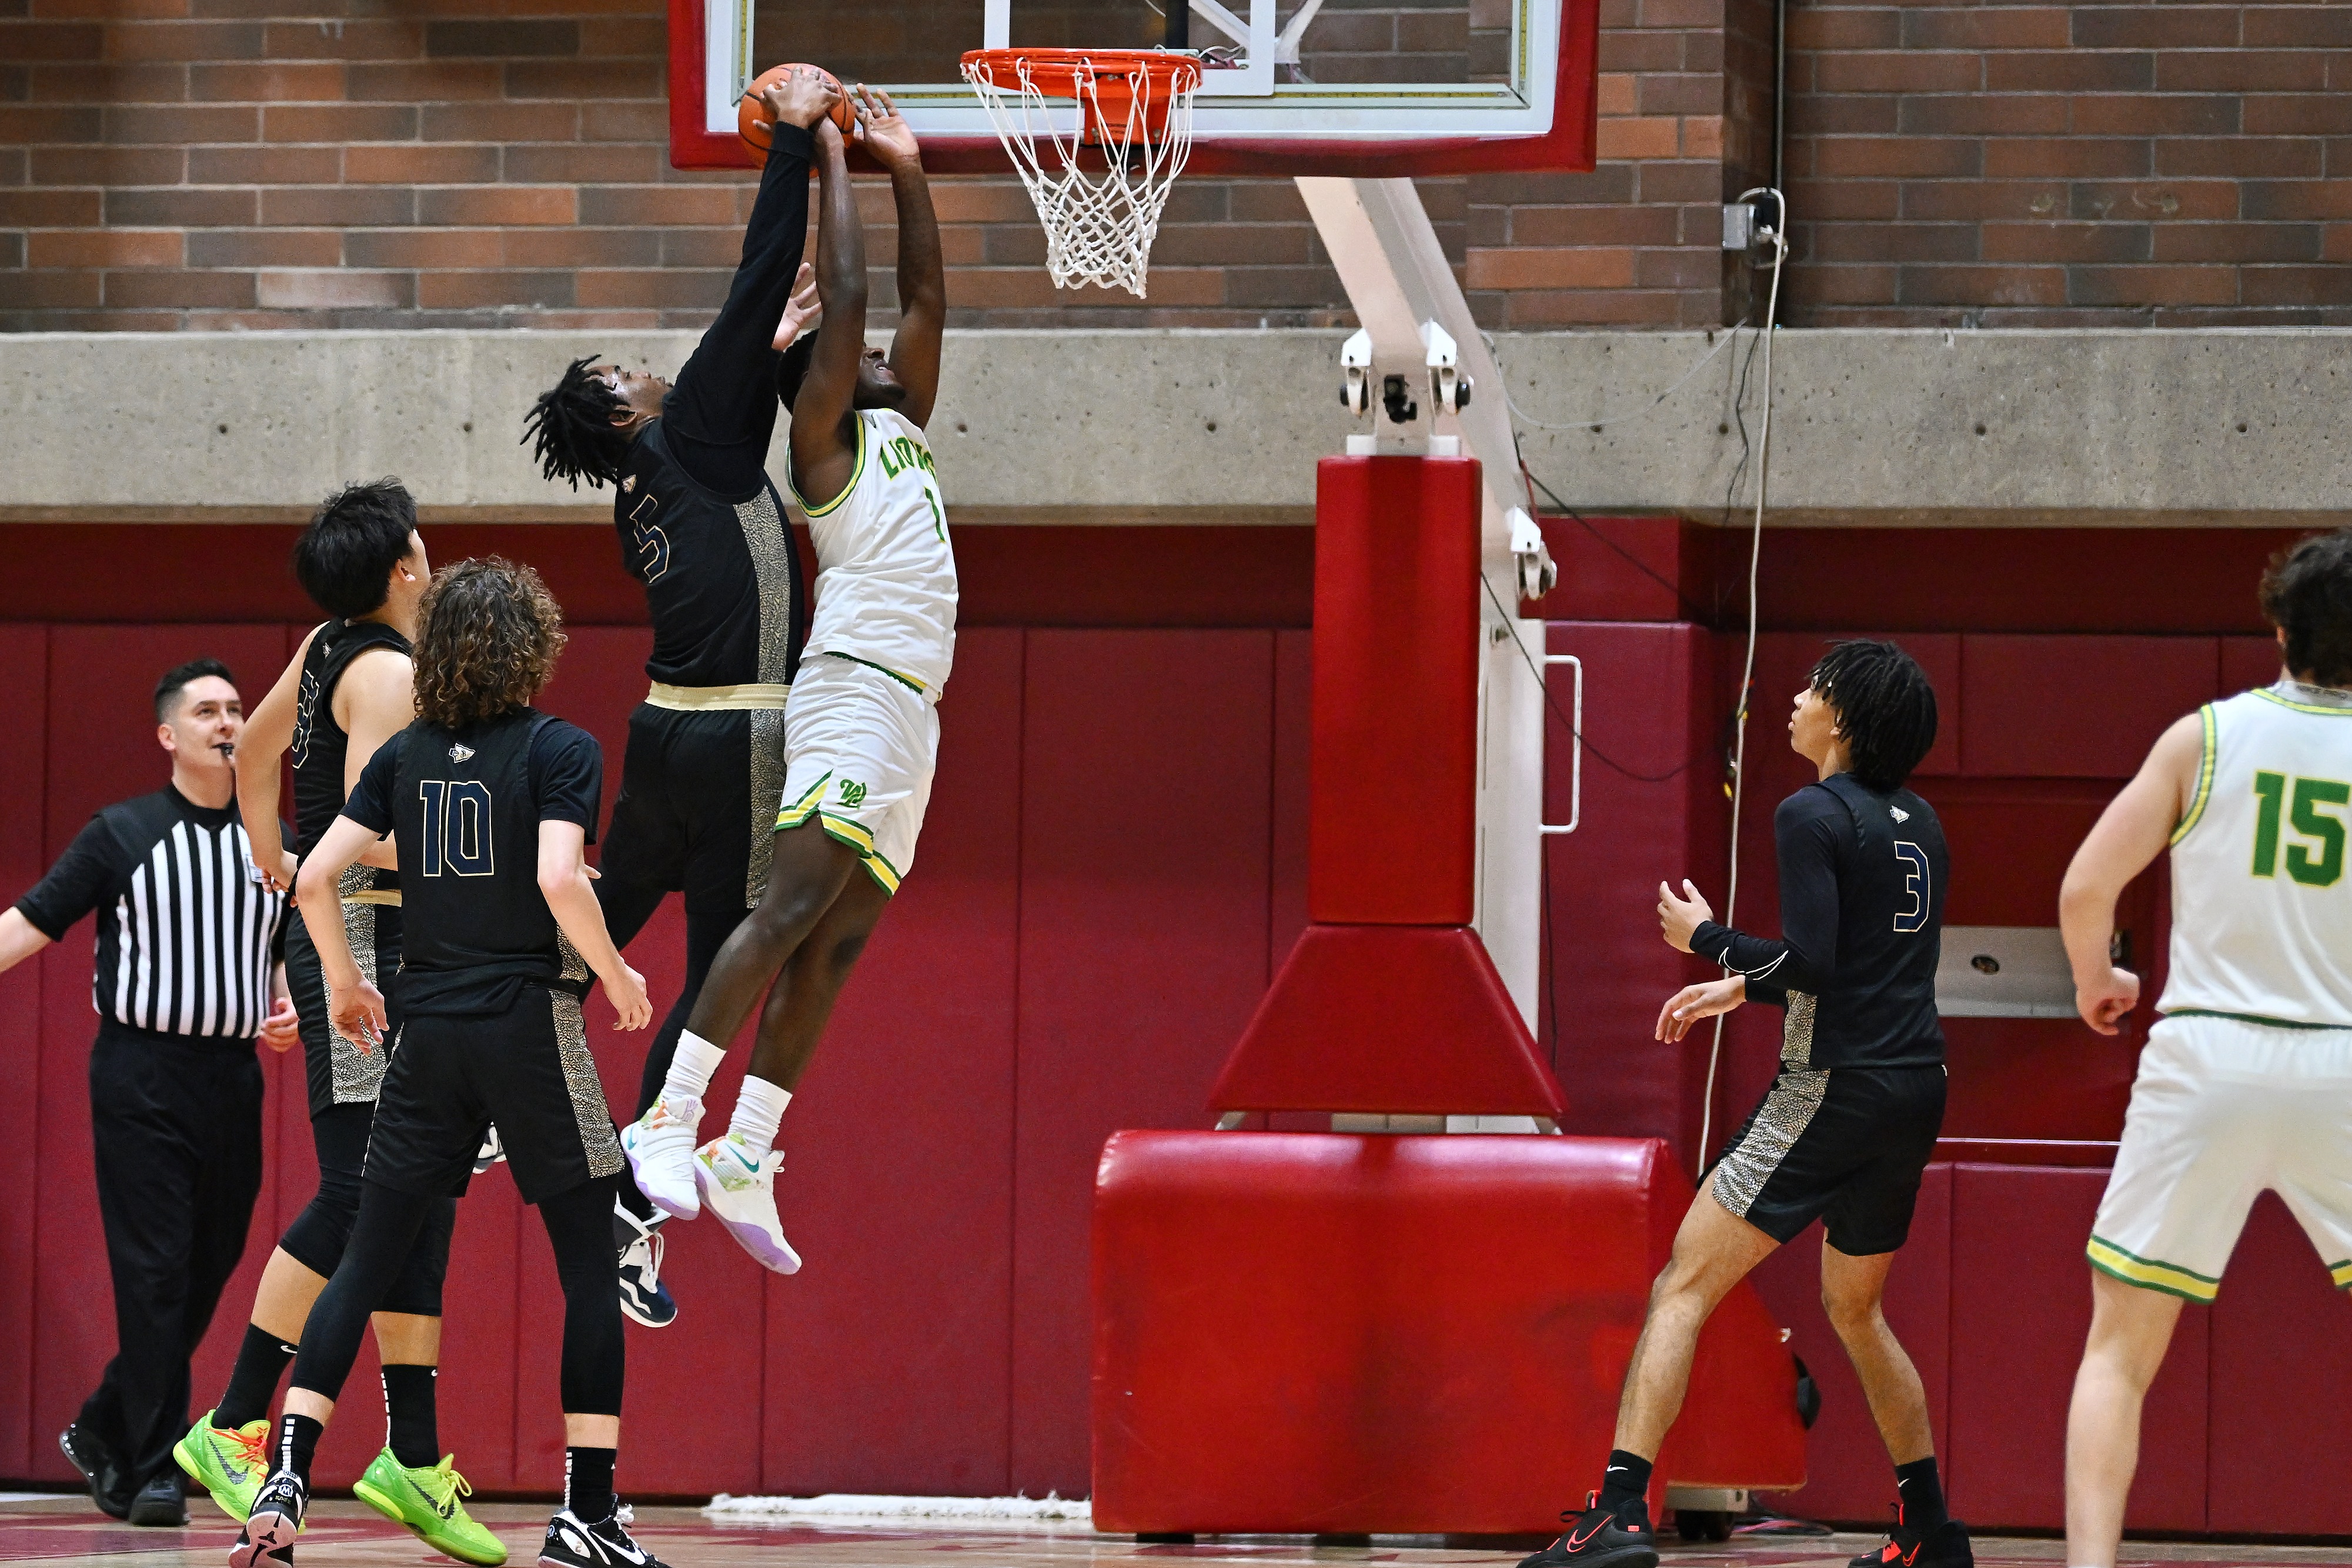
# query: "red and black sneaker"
1597, 1538
1944, 1545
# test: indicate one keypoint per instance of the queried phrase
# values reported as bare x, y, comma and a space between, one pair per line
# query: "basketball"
751, 117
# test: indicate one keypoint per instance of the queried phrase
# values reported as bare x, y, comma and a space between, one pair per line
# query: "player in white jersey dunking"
861, 735
2246, 1083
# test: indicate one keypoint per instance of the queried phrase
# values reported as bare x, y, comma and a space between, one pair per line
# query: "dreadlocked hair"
487, 635
1885, 709
572, 430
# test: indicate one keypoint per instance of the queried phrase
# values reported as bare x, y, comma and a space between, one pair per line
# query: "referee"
186, 978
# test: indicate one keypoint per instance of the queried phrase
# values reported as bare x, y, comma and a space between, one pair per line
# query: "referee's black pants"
176, 1129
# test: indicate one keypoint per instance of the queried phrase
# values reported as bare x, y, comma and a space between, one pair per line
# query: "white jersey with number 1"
2262, 885
885, 582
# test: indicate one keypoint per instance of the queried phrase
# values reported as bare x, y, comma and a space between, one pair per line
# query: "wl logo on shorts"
853, 793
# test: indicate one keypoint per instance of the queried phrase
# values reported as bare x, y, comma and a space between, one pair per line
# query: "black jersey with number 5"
467, 806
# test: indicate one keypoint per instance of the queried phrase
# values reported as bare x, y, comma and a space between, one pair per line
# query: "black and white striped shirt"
186, 932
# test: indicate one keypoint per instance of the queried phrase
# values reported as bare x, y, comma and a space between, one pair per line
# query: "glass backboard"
1289, 86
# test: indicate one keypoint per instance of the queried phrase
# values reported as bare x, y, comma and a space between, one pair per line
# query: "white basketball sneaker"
740, 1189
660, 1148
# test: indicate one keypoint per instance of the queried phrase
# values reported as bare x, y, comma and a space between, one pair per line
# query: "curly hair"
1885, 709
2307, 594
488, 637
571, 429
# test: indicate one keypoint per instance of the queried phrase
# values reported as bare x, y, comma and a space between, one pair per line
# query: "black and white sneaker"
1597, 1538
1944, 1545
644, 1298
99, 1466
268, 1539
572, 1542
491, 1151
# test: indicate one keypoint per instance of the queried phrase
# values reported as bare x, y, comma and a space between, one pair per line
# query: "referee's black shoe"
161, 1502
1597, 1538
99, 1466
1944, 1545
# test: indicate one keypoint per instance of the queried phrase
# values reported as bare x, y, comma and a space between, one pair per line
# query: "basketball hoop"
1134, 109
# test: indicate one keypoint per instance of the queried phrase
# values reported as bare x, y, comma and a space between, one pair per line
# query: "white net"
1052, 108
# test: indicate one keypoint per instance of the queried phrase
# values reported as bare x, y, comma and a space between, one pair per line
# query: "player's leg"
1895, 1115
410, 1481
2200, 1140
736, 1173
226, 1451
386, 1228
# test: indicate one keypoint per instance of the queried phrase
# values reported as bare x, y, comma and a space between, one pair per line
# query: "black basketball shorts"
696, 809
526, 1069
1843, 1145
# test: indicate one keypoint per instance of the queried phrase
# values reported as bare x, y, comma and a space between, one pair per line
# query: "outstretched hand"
802, 97
802, 310
883, 129
1679, 917
1692, 1003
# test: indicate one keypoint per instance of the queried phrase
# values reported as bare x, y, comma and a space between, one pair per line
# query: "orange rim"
1063, 73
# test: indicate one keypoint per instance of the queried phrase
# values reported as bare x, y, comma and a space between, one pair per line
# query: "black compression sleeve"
1805, 955
722, 411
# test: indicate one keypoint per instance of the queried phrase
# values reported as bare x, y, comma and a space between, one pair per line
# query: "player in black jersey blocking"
702, 526
1849, 1122
348, 689
491, 805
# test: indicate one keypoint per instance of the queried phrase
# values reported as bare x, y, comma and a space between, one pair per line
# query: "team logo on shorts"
853, 793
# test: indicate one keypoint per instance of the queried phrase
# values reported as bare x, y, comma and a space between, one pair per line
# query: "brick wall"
253, 164
2043, 165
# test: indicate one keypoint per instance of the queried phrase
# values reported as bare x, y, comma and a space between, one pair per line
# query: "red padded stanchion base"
1408, 1019
1312, 1332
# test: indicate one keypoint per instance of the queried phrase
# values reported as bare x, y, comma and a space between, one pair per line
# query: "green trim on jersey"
2251, 1018
2271, 696
2206, 756
909, 682
856, 472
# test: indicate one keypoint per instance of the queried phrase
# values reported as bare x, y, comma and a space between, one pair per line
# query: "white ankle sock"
690, 1068
759, 1106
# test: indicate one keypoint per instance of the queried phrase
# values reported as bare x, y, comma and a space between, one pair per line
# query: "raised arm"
2132, 831
922, 275
261, 745
722, 411
824, 442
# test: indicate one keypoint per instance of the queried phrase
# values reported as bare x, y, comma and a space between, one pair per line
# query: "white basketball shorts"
860, 745
2223, 1108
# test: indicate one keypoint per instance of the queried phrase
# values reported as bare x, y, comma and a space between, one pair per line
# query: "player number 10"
456, 827
2310, 821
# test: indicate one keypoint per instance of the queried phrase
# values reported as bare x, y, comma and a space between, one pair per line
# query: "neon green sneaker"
231, 1463
426, 1502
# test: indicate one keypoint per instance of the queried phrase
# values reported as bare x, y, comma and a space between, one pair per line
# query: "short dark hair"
1885, 709
344, 558
178, 678
488, 636
571, 427
792, 368
2307, 594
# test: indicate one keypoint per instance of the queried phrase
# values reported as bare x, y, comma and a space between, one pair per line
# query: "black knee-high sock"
412, 1425
588, 1484
1625, 1488
1921, 1488
261, 1361
298, 1440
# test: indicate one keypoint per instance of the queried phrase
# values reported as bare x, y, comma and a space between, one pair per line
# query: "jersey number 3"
456, 827
1913, 917
2309, 820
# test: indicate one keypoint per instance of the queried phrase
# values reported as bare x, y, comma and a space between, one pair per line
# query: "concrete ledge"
1923, 428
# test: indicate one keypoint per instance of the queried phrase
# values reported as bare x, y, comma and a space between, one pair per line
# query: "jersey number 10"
2309, 820
456, 827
